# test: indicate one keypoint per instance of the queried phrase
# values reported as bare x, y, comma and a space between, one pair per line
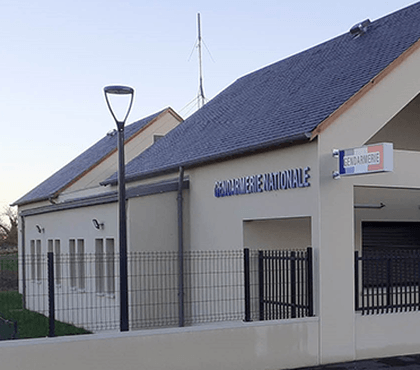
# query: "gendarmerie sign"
282, 180
366, 159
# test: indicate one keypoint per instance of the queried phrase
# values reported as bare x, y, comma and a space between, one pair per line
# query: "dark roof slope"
284, 101
81, 164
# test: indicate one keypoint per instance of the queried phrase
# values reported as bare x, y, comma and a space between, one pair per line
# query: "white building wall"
217, 223
80, 305
336, 233
279, 233
153, 222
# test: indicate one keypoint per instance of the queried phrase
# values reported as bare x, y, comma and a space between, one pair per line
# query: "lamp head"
119, 90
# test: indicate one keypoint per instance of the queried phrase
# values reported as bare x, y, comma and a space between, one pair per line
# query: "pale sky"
57, 55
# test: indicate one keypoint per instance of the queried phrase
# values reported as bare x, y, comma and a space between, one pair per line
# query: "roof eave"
24, 203
290, 140
364, 90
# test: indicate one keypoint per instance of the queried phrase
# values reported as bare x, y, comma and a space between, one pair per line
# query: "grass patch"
31, 324
9, 262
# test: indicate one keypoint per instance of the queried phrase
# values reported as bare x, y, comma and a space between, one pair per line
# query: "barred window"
38, 260
81, 264
72, 255
110, 269
57, 258
33, 260
99, 265
105, 266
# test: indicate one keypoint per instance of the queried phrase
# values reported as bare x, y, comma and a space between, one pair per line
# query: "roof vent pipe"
360, 28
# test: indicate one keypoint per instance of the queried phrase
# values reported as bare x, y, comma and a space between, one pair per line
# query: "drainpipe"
22, 219
180, 251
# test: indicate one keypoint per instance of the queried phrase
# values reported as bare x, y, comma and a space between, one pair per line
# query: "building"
259, 167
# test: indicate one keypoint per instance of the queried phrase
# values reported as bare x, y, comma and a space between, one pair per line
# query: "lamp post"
121, 90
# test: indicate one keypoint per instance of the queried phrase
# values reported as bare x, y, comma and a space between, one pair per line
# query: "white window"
50, 245
33, 260
81, 281
72, 255
57, 258
99, 265
54, 246
105, 266
110, 266
38, 261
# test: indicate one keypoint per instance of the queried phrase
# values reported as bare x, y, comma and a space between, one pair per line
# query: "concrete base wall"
233, 346
387, 335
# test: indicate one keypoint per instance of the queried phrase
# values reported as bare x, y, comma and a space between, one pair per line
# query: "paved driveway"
411, 362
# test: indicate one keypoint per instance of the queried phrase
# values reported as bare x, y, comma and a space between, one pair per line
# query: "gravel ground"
8, 281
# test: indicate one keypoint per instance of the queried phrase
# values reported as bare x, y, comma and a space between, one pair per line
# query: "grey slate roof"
282, 102
78, 166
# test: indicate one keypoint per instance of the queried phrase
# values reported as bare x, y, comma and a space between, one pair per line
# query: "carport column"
336, 235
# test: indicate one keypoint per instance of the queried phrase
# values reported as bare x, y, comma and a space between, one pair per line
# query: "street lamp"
121, 90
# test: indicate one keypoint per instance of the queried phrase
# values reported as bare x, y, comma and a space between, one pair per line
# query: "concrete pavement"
409, 362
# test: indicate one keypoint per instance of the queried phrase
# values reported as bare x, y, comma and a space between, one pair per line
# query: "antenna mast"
201, 97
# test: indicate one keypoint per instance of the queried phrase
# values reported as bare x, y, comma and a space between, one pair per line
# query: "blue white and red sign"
366, 159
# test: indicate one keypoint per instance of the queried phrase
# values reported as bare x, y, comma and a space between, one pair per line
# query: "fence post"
261, 283
389, 283
309, 280
293, 283
356, 280
247, 287
51, 303
23, 263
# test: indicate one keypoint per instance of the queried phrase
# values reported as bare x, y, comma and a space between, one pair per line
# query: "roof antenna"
201, 97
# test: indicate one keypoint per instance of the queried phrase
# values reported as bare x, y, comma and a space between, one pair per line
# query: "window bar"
390, 282
303, 279
370, 285
364, 282
397, 287
261, 284
410, 293
418, 283
272, 290
273, 278
267, 286
285, 285
247, 293
375, 278
298, 270
267, 307
356, 280
406, 282
309, 276
293, 282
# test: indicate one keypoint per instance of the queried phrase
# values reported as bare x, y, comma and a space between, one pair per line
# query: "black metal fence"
8, 271
387, 280
83, 289
8, 329
285, 284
